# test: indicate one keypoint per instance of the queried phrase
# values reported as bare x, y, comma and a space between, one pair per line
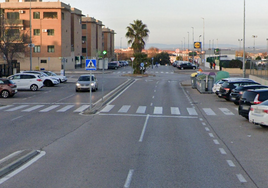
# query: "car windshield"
86, 78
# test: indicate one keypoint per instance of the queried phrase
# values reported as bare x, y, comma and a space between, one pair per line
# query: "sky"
169, 21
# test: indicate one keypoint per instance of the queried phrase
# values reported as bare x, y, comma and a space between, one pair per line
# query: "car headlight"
77, 84
92, 84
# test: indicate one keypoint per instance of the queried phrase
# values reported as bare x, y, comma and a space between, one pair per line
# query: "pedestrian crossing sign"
91, 64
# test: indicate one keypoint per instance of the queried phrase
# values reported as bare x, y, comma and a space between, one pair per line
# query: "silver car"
83, 83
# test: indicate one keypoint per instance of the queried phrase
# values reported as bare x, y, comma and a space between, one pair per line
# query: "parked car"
47, 80
60, 77
7, 88
186, 66
228, 85
113, 65
249, 98
27, 81
84, 83
237, 92
258, 114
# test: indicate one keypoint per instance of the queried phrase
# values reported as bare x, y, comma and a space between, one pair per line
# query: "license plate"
245, 107
257, 111
219, 94
233, 99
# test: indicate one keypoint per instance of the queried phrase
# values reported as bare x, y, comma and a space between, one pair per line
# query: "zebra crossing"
149, 72
158, 110
155, 110
43, 108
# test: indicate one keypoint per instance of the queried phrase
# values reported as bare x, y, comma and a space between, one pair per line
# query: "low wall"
259, 80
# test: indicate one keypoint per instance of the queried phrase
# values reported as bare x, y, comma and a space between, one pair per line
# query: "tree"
13, 41
162, 58
139, 58
137, 32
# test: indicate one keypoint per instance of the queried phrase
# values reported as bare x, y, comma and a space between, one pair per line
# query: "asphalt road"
155, 133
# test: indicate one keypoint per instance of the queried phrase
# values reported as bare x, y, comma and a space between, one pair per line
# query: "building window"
36, 49
50, 15
84, 38
84, 50
43, 61
13, 15
50, 49
84, 26
62, 16
50, 32
36, 15
36, 32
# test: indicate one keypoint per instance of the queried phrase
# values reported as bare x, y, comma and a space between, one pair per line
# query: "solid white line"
16, 118
230, 163
241, 178
144, 127
156, 116
129, 177
10, 156
5, 178
222, 151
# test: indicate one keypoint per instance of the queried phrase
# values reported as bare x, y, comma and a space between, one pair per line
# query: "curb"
15, 160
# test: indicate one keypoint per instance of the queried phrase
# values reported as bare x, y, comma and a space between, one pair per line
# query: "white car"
27, 81
47, 80
258, 114
60, 77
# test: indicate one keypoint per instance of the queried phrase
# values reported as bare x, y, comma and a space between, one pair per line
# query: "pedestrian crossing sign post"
91, 64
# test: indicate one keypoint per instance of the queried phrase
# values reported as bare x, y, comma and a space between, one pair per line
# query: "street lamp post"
254, 36
239, 40
188, 39
193, 46
267, 47
244, 32
30, 35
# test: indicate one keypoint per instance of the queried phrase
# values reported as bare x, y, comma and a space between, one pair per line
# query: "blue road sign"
142, 64
91, 64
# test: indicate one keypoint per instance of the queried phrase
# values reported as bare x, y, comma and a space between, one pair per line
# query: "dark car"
7, 88
237, 92
113, 65
251, 97
186, 66
228, 85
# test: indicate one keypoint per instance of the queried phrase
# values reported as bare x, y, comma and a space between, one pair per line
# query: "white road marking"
241, 178
107, 108
158, 110
226, 111
82, 108
64, 109
141, 110
32, 108
222, 151
211, 135
230, 163
7, 106
209, 111
49, 108
192, 111
16, 108
216, 141
129, 177
124, 109
144, 128
175, 110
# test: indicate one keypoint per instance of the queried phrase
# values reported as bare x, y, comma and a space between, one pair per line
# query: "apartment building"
108, 37
62, 37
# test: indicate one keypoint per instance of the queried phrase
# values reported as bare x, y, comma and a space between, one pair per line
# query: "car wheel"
237, 103
194, 67
5, 94
34, 87
48, 83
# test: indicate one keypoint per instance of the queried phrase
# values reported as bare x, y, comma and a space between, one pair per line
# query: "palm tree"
137, 32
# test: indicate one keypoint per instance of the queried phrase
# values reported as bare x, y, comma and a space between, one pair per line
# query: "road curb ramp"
15, 160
